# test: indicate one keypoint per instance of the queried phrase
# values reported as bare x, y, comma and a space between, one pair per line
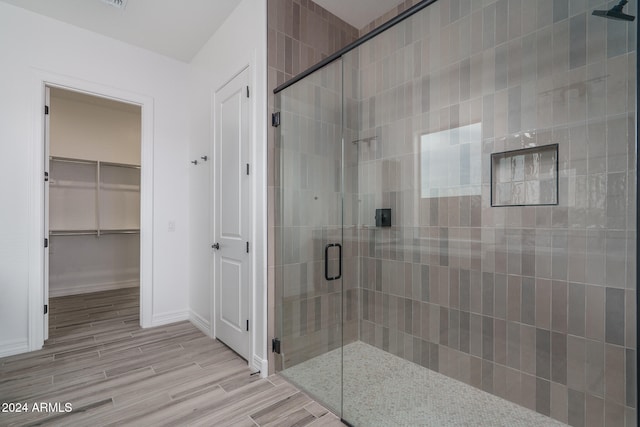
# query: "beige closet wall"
94, 128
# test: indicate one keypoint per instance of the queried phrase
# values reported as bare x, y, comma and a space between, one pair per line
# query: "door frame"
47, 204
37, 298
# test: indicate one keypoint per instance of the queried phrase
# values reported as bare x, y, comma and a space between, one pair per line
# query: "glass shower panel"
310, 266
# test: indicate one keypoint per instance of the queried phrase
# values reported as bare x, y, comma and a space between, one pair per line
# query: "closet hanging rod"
92, 162
73, 232
70, 160
120, 165
124, 231
92, 232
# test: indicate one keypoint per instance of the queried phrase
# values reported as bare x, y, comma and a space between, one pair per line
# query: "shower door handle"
326, 261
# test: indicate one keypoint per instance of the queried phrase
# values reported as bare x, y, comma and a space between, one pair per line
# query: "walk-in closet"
93, 194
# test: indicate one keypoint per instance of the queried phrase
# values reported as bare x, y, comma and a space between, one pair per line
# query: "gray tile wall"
533, 304
392, 13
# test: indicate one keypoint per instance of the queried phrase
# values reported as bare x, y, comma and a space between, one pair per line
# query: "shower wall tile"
528, 302
543, 396
559, 358
578, 41
630, 372
514, 295
595, 306
576, 408
576, 309
614, 379
630, 417
528, 391
630, 322
595, 368
613, 414
594, 407
543, 354
614, 312
559, 402
528, 349
487, 376
543, 303
513, 345
559, 299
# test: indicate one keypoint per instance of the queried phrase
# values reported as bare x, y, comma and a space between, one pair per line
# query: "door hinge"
46, 109
46, 176
46, 308
46, 243
275, 119
247, 247
247, 168
247, 325
247, 91
275, 345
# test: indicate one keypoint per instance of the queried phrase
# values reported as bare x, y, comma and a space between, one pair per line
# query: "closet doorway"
92, 198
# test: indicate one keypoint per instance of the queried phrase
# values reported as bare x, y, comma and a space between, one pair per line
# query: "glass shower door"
309, 235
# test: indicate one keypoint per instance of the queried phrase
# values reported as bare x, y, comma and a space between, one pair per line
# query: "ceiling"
358, 13
177, 29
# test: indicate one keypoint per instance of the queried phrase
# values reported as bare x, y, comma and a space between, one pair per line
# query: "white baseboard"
261, 365
97, 287
14, 347
167, 318
200, 323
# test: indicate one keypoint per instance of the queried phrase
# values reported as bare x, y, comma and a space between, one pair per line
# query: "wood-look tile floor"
112, 372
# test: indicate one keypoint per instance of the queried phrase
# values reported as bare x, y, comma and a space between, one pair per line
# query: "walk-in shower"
500, 139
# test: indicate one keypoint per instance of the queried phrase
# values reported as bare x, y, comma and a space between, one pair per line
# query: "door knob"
216, 246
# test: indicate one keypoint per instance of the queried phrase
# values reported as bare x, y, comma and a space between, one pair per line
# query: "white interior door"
45, 281
232, 208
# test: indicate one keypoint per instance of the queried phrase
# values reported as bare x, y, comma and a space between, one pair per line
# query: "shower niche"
525, 177
463, 312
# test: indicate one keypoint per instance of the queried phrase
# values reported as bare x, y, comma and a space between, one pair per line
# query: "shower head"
615, 12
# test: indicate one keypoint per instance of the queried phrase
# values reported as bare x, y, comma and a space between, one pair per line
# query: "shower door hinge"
247, 168
46, 243
247, 325
275, 119
247, 247
46, 308
247, 91
46, 109
46, 176
275, 345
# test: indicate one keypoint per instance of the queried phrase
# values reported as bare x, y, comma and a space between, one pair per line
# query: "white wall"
32, 46
241, 41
